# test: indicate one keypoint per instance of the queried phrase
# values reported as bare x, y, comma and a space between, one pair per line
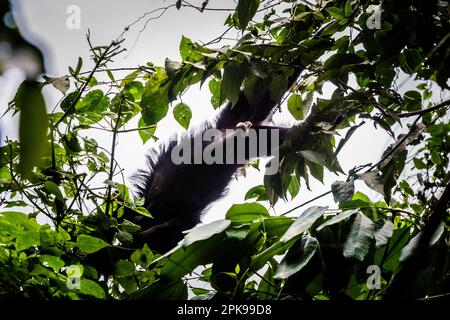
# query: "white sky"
44, 23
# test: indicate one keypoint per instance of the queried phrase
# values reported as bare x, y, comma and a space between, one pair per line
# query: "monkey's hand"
244, 126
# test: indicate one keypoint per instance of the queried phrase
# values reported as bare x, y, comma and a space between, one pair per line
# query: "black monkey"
177, 194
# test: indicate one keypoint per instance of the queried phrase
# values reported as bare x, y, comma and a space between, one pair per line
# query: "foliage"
55, 169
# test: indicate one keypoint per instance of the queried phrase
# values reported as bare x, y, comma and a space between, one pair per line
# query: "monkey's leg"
161, 237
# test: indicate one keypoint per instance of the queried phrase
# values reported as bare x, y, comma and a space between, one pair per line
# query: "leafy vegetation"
53, 172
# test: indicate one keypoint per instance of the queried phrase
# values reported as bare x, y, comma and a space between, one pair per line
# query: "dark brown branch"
443, 104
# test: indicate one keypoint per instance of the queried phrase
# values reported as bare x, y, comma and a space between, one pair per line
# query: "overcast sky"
44, 23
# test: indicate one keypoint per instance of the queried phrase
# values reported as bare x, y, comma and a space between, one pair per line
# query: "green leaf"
27, 239
406, 188
297, 257
258, 192
338, 60
373, 180
189, 50
245, 11
145, 134
90, 244
233, 75
184, 260
206, 231
155, 101
54, 189
246, 212
95, 101
68, 101
360, 237
348, 8
135, 88
129, 226
125, 238
277, 226
337, 218
279, 84
303, 222
162, 290
79, 66
53, 262
269, 289
314, 156
295, 106
142, 257
129, 78
436, 157
143, 211
315, 169
384, 229
172, 67
183, 114
419, 164
154, 107
124, 268
412, 244
335, 12
294, 187
33, 126
413, 100
91, 288
71, 142
214, 88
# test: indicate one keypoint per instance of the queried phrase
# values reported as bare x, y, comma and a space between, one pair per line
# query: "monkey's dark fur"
176, 195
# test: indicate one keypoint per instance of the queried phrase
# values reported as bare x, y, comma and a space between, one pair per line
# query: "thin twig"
113, 152
307, 202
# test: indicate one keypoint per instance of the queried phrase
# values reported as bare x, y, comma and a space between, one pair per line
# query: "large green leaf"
246, 212
384, 229
27, 239
155, 99
233, 75
90, 244
205, 231
303, 222
95, 101
154, 106
337, 218
183, 260
53, 262
276, 226
245, 11
360, 237
295, 106
183, 114
297, 257
92, 288
162, 290
412, 244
